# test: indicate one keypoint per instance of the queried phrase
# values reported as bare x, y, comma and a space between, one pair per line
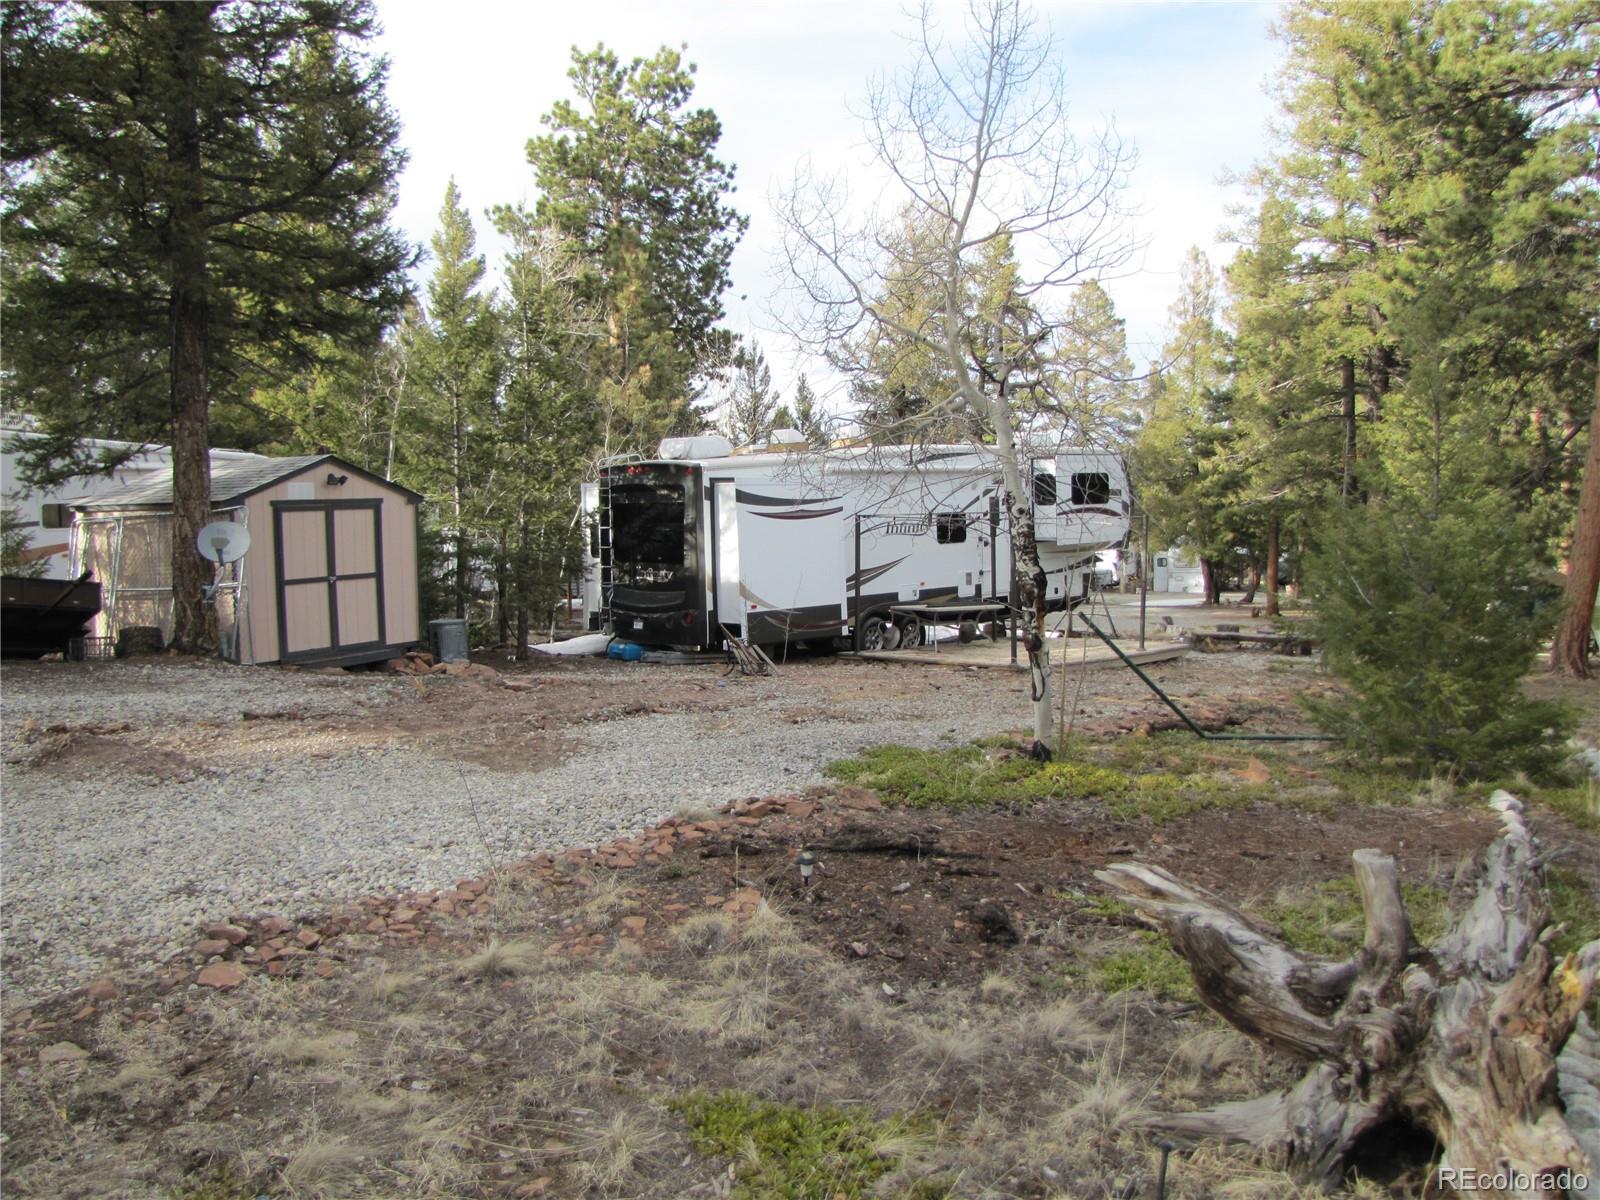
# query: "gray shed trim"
231, 482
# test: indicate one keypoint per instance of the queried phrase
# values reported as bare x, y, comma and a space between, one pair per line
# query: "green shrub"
1424, 615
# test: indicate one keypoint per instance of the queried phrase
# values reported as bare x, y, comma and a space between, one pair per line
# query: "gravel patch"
115, 868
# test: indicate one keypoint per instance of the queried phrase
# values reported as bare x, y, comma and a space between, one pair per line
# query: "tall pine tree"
198, 193
629, 173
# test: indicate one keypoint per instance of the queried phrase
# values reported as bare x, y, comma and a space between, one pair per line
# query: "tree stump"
1479, 1040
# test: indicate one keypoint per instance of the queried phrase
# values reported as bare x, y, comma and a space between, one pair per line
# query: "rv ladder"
604, 552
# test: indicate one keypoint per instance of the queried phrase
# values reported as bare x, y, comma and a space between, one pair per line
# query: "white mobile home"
46, 513
1177, 569
797, 544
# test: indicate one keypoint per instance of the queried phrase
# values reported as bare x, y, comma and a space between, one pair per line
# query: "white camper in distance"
791, 544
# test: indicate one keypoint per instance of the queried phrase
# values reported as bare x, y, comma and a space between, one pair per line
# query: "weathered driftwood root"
1472, 1040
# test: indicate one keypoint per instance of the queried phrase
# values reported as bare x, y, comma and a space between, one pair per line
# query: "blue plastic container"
626, 651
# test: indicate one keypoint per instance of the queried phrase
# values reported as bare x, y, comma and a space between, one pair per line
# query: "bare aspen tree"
1008, 211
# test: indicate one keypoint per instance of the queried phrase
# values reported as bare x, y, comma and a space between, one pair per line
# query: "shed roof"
231, 481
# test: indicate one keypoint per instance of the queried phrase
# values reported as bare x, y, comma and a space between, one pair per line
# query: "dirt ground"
545, 1029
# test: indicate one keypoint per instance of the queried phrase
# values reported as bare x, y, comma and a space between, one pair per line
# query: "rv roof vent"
708, 446
786, 437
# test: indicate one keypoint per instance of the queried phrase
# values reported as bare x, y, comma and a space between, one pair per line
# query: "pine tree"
197, 192
15, 540
1187, 468
751, 407
810, 420
541, 428
454, 376
1098, 402
629, 174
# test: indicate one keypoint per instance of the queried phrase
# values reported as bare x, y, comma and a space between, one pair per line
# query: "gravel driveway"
141, 800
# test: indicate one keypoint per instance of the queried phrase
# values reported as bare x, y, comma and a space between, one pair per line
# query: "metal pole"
855, 617
1144, 577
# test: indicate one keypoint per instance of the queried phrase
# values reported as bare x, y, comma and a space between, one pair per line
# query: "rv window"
54, 516
1161, 562
1044, 491
1091, 487
950, 527
647, 524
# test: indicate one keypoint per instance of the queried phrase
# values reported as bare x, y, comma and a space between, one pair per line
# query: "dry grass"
325, 1168
499, 960
435, 1076
1064, 1026
299, 1050
611, 1156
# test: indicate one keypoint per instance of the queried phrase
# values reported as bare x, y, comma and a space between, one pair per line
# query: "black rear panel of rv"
657, 593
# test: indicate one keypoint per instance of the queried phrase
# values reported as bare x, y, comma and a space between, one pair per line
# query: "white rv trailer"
795, 544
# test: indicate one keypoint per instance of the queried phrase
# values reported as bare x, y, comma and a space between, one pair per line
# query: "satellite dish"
223, 542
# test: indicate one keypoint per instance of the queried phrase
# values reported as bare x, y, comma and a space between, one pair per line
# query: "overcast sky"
1186, 83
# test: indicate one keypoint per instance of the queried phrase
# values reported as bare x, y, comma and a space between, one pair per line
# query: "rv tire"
910, 626
872, 633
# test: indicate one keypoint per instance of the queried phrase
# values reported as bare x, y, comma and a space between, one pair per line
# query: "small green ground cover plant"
1151, 966
983, 773
790, 1152
1326, 920
1573, 904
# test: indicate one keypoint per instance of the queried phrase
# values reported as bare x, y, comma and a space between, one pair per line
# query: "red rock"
327, 968
747, 820
713, 901
277, 967
376, 925
635, 925
210, 946
268, 952
402, 916
309, 938
222, 975
691, 836
231, 934
800, 809
273, 926
759, 809
447, 907
102, 989
84, 1013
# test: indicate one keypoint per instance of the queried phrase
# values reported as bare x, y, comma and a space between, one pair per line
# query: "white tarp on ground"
583, 644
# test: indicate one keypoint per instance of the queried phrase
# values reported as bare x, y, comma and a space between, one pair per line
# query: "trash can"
447, 638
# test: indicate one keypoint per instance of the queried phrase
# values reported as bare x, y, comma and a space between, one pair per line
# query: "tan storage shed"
330, 577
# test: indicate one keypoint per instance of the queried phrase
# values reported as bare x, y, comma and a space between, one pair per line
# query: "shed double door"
330, 577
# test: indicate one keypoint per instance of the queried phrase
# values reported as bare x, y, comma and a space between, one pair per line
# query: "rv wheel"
871, 634
910, 626
967, 631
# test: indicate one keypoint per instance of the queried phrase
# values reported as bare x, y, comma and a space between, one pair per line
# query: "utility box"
447, 638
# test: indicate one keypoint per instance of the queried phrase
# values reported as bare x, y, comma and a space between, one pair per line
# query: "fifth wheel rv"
792, 544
